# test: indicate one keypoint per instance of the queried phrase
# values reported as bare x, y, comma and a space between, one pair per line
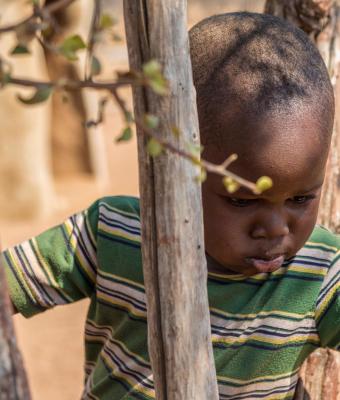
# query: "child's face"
249, 233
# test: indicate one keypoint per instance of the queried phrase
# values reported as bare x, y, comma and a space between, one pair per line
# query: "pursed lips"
267, 263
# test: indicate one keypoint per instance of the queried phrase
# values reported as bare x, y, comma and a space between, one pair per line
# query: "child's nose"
271, 225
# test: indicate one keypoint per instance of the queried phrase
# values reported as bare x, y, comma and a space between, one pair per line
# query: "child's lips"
267, 264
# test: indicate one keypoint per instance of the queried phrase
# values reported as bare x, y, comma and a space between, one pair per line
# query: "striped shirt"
263, 327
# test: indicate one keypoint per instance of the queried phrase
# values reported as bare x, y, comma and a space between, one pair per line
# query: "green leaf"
152, 68
151, 121
154, 147
125, 136
96, 67
106, 21
39, 96
20, 49
70, 46
152, 71
159, 86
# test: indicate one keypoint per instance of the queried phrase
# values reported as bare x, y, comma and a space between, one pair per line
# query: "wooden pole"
320, 374
172, 227
13, 381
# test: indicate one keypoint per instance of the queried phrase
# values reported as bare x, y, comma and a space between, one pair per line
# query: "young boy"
262, 92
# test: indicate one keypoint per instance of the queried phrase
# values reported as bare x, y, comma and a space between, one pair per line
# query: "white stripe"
278, 383
40, 276
273, 322
123, 289
114, 216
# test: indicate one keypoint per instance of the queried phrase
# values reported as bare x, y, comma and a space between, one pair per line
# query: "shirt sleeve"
58, 266
328, 307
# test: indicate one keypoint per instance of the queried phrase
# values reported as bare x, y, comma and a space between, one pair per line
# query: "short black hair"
257, 63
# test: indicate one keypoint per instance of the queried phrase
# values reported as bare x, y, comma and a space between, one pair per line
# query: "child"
262, 92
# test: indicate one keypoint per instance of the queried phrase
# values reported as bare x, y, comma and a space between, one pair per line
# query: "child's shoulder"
324, 238
124, 205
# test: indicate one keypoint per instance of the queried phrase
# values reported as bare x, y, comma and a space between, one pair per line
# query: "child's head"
263, 92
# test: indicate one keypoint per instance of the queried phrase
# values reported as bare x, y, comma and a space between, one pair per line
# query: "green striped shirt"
263, 327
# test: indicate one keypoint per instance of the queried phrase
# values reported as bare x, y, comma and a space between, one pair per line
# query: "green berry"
230, 184
154, 147
264, 183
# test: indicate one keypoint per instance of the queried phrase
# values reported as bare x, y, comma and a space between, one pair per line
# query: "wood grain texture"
172, 226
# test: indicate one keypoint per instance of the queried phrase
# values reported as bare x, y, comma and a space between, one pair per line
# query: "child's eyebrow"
315, 187
247, 192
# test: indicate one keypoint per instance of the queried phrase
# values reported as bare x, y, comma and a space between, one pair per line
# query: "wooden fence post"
320, 374
172, 227
13, 381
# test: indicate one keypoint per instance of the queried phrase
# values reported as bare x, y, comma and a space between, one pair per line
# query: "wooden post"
320, 374
172, 228
13, 381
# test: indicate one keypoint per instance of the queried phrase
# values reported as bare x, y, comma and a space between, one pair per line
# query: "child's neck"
216, 268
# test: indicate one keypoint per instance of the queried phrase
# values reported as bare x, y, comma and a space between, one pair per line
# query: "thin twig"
219, 169
70, 85
91, 39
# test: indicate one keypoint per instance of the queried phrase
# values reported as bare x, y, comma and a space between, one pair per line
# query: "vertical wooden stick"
172, 226
13, 381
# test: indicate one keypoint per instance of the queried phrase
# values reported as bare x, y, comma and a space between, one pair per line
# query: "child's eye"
302, 199
240, 202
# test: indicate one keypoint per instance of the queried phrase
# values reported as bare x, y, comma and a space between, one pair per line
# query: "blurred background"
51, 167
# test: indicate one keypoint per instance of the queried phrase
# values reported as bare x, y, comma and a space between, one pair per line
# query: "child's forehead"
294, 126
281, 145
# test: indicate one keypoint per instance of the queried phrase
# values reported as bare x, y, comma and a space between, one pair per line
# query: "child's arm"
57, 267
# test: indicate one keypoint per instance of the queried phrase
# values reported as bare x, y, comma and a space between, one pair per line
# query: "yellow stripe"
311, 337
94, 338
118, 232
73, 236
93, 239
121, 212
124, 305
264, 313
317, 271
107, 327
322, 245
282, 396
119, 278
261, 378
46, 268
327, 299
135, 386
22, 277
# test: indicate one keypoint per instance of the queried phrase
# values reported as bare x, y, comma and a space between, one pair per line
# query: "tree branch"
70, 85
91, 39
210, 167
38, 13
